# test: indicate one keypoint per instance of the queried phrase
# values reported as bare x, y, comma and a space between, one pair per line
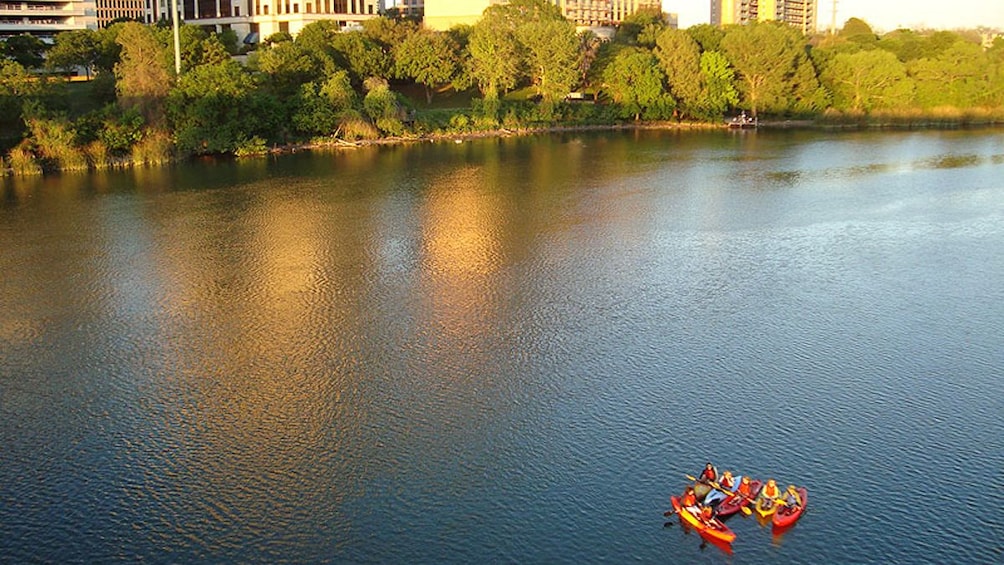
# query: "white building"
257, 19
45, 18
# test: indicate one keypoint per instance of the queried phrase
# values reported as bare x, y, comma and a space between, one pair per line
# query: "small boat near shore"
742, 121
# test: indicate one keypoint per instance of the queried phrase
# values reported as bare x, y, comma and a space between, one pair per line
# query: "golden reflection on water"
459, 225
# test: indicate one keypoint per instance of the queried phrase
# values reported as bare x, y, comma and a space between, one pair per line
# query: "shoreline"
335, 143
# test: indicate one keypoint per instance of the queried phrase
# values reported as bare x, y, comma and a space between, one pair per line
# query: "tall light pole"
177, 38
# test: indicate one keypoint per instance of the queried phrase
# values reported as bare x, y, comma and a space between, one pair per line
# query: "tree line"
520, 62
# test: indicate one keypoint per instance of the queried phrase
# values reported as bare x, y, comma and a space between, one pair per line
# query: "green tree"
361, 56
429, 58
383, 106
215, 109
709, 37
959, 76
775, 74
640, 28
495, 57
868, 80
17, 87
858, 31
320, 109
75, 48
286, 66
552, 54
718, 89
680, 57
26, 50
108, 48
316, 40
389, 32
143, 79
635, 82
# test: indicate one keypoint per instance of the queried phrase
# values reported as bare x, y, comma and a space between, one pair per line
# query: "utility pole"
177, 39
833, 19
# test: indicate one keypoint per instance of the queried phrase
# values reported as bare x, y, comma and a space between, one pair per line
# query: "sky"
881, 15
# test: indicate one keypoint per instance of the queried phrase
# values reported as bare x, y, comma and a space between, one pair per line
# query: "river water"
508, 351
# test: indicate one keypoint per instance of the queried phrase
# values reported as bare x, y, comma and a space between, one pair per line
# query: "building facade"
257, 19
444, 14
798, 13
108, 11
45, 18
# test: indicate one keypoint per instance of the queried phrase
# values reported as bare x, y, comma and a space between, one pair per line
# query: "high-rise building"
256, 19
45, 18
111, 10
410, 8
798, 13
444, 14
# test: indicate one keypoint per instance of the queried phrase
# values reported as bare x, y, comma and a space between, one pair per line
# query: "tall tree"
286, 66
362, 56
143, 79
718, 89
429, 58
74, 48
772, 65
680, 57
709, 37
868, 80
636, 84
552, 55
495, 57
26, 50
958, 76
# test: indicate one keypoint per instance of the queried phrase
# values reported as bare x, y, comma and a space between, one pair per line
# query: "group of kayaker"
713, 496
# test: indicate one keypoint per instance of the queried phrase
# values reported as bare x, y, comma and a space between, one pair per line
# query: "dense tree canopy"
522, 58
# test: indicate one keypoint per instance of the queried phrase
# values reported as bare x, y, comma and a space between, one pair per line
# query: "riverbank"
823, 123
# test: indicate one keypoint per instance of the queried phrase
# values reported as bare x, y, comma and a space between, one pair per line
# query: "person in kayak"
727, 482
791, 499
709, 519
708, 475
768, 494
742, 491
689, 499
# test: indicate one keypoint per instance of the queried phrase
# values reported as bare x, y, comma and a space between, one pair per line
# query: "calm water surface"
508, 351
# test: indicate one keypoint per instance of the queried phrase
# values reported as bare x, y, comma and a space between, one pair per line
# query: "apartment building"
108, 11
257, 19
45, 18
444, 14
802, 14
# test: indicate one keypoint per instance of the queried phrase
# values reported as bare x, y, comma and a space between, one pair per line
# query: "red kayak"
731, 505
714, 530
788, 515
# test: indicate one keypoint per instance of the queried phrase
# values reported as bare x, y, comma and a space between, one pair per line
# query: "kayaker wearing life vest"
708, 517
689, 499
742, 491
727, 482
708, 474
768, 494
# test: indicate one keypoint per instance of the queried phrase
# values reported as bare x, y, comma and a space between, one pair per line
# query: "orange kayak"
715, 530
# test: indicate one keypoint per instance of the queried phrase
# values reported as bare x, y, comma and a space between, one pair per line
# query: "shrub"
22, 160
155, 148
56, 143
98, 155
251, 147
